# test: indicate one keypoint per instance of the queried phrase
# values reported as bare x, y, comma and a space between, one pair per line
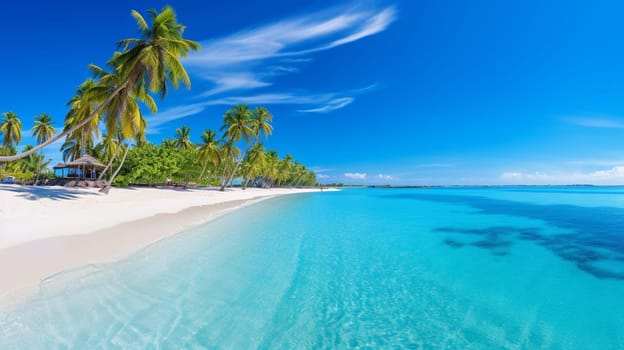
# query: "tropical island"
136, 213
105, 146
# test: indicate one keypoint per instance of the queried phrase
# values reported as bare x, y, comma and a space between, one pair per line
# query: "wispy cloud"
154, 122
384, 177
331, 105
612, 176
597, 122
252, 58
292, 37
320, 169
355, 176
322, 176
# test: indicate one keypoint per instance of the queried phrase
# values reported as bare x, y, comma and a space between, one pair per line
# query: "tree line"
141, 70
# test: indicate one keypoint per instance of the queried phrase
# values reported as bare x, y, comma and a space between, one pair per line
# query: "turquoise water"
480, 268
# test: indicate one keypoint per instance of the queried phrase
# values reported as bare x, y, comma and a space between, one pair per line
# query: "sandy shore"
46, 230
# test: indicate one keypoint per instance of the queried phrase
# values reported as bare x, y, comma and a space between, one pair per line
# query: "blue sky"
370, 92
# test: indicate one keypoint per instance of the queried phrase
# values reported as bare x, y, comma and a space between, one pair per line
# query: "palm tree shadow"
54, 193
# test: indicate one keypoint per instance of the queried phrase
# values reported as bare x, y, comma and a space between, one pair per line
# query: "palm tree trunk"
224, 175
37, 176
107, 187
201, 174
238, 163
68, 131
223, 185
247, 181
110, 163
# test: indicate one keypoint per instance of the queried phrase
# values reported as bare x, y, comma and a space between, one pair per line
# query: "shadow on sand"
40, 192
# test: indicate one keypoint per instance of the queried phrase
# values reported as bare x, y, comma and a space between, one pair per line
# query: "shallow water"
480, 268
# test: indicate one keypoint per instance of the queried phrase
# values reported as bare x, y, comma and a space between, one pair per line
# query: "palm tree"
11, 129
286, 168
253, 164
82, 105
146, 63
7, 150
72, 149
154, 59
229, 160
237, 124
271, 170
108, 149
183, 138
122, 115
262, 123
43, 129
208, 151
34, 164
168, 143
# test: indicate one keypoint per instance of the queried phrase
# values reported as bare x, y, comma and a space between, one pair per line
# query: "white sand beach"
46, 230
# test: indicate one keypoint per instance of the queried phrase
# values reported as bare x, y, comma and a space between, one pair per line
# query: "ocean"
453, 268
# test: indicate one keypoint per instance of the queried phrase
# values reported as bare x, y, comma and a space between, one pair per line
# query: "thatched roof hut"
83, 167
84, 162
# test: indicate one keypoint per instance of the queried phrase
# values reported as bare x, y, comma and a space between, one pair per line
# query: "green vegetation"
11, 129
212, 161
111, 102
27, 170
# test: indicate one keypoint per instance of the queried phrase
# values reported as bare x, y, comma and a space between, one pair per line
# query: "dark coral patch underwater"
594, 242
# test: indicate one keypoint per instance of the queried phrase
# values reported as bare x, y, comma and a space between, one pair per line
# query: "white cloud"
252, 58
322, 176
320, 169
235, 81
612, 176
171, 114
332, 105
292, 37
356, 176
384, 177
270, 98
328, 101
592, 122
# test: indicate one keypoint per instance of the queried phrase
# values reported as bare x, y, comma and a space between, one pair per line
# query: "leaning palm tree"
270, 173
108, 149
149, 63
183, 138
82, 106
11, 129
122, 115
43, 129
132, 126
229, 161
